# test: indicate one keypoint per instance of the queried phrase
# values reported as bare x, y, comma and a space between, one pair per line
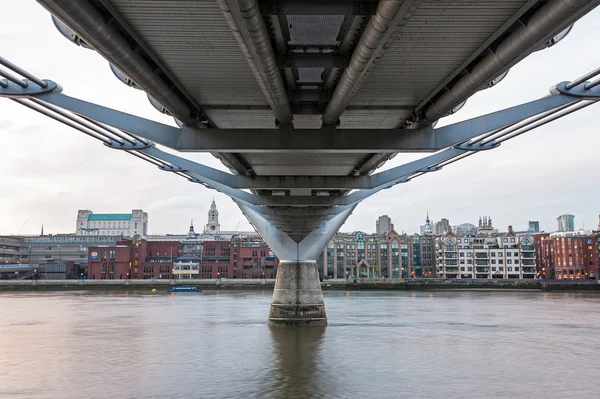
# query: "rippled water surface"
378, 345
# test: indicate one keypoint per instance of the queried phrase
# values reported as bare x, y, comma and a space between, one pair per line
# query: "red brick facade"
132, 260
154, 259
567, 257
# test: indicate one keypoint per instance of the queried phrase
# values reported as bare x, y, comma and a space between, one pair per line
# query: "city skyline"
56, 170
373, 230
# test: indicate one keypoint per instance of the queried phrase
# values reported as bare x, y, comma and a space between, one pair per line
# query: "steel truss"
299, 209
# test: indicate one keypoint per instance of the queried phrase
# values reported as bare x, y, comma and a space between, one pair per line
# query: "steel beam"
551, 18
313, 60
318, 7
84, 19
306, 140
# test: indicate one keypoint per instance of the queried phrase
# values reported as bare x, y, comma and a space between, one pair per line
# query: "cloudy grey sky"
48, 171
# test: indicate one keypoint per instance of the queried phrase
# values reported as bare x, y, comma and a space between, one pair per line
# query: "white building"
186, 270
427, 228
212, 231
506, 256
112, 224
383, 225
213, 226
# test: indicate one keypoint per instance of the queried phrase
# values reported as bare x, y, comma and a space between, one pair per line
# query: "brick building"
130, 259
141, 259
567, 255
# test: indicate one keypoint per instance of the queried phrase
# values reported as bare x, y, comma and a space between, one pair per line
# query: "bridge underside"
303, 100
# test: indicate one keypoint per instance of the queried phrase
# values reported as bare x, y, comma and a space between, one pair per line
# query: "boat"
184, 288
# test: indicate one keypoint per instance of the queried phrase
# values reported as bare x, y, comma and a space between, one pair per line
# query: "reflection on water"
297, 354
377, 345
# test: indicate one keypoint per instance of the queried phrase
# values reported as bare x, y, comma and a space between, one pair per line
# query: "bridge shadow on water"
297, 353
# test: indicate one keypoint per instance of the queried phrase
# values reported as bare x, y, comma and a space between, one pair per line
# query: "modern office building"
505, 256
9, 249
441, 227
566, 223
534, 226
568, 255
112, 224
61, 249
383, 225
427, 254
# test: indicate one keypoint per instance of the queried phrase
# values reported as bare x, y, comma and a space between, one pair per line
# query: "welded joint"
32, 89
477, 146
432, 168
172, 168
129, 146
579, 91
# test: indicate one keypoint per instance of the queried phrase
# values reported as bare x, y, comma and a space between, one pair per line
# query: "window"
516, 269
500, 261
468, 253
462, 261
515, 254
462, 254
470, 268
469, 262
493, 254
508, 261
493, 261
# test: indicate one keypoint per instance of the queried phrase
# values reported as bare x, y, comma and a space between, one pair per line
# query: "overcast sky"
48, 171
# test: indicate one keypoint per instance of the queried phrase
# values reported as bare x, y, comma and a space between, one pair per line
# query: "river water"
443, 344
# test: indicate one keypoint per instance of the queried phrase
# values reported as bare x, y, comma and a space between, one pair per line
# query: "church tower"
212, 227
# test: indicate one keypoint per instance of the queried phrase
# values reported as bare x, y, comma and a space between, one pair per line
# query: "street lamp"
219, 276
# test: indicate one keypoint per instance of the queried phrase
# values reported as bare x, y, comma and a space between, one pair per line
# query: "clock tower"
212, 227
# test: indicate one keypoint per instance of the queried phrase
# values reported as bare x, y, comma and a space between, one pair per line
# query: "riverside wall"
332, 284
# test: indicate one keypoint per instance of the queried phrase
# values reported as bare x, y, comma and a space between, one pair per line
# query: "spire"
42, 229
427, 218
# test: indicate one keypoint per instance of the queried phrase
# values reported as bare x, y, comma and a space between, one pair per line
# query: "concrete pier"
297, 296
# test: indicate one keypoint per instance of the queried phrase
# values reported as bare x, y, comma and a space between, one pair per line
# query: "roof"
109, 216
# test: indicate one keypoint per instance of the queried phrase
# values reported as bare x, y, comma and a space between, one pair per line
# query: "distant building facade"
505, 256
534, 226
383, 225
427, 228
566, 223
112, 224
9, 249
212, 226
441, 227
360, 255
568, 255
142, 259
132, 259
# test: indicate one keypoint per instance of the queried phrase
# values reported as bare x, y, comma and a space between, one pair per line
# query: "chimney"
510, 229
